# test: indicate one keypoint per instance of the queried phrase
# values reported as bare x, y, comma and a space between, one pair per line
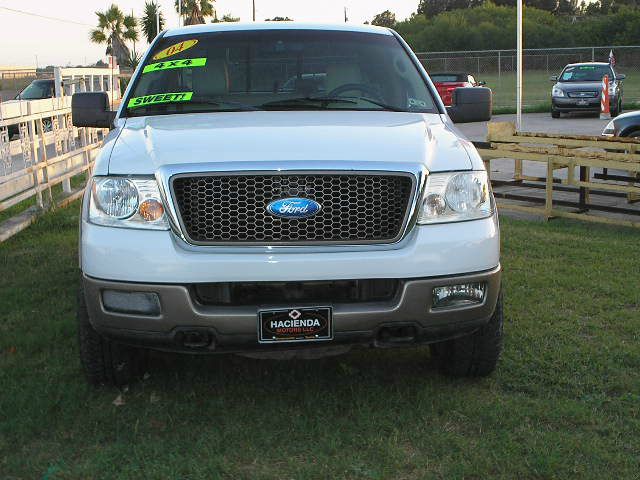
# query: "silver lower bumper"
235, 327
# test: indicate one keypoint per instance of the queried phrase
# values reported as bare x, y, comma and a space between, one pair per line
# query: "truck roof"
253, 26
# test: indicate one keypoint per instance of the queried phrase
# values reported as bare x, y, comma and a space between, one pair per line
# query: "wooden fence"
580, 157
48, 151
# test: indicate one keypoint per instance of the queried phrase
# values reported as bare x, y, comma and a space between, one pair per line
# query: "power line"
64, 20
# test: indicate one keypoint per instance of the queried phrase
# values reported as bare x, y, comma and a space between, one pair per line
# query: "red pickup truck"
447, 82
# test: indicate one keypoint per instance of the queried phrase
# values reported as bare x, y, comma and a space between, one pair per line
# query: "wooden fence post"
548, 208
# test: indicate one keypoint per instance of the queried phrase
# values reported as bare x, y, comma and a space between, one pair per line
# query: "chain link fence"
498, 69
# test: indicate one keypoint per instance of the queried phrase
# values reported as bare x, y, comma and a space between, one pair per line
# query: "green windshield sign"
171, 64
159, 98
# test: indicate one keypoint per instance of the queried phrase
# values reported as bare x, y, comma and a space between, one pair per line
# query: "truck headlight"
456, 197
127, 202
557, 92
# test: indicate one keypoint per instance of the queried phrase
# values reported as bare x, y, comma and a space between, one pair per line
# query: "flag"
612, 59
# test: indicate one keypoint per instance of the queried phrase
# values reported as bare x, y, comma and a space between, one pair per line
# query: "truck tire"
105, 362
475, 355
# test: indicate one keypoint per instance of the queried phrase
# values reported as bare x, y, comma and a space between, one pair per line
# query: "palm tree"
149, 20
195, 11
113, 29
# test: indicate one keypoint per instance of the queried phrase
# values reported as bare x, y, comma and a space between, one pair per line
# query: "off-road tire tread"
474, 355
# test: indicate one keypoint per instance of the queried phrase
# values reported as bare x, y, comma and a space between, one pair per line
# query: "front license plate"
295, 325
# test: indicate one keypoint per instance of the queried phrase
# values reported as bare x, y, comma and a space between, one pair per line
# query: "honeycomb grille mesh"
356, 208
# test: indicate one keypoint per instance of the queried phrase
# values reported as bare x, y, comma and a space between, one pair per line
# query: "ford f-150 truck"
226, 213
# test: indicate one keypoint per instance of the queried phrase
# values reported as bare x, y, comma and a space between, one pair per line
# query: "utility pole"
179, 13
254, 10
157, 20
346, 19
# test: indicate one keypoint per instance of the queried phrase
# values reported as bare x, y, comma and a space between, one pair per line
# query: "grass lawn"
564, 402
537, 90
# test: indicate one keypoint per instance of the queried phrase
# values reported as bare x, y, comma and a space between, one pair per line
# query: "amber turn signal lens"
151, 210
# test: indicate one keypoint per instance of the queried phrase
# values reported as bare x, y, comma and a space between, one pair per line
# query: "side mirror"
91, 109
471, 104
621, 76
553, 78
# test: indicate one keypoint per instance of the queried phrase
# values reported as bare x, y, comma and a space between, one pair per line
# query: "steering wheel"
363, 88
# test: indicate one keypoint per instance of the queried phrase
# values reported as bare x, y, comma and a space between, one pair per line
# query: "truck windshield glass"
278, 70
586, 73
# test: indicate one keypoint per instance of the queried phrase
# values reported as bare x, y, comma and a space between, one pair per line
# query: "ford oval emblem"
294, 207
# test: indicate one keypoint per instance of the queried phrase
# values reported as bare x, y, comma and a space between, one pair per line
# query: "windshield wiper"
219, 103
325, 101
301, 102
384, 106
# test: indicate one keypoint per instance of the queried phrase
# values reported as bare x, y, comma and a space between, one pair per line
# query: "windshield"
586, 73
278, 70
36, 90
447, 78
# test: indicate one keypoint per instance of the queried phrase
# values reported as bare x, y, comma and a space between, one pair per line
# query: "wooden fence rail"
574, 154
49, 151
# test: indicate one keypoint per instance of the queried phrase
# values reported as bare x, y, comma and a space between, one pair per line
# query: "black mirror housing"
471, 104
91, 109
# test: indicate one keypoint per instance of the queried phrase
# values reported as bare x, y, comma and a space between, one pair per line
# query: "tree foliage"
195, 12
492, 26
279, 19
431, 8
385, 19
226, 18
149, 21
114, 27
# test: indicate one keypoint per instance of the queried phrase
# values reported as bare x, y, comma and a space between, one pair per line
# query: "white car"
227, 214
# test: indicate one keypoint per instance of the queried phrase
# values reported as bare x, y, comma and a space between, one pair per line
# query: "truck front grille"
355, 208
583, 94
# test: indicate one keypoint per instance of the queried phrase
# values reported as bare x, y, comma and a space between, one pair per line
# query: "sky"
28, 39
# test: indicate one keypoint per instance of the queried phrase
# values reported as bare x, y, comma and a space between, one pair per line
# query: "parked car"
36, 90
579, 86
447, 82
625, 125
225, 215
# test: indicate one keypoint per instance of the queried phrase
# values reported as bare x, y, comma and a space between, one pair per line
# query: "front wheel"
105, 362
474, 355
555, 114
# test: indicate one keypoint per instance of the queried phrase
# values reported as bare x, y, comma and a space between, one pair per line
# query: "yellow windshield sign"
174, 49
159, 98
171, 64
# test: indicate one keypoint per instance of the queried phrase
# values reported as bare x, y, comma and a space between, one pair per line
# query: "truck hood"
145, 144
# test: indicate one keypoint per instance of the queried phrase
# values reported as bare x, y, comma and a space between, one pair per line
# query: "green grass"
537, 90
56, 193
564, 402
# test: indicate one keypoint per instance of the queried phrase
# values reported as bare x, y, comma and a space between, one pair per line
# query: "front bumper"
234, 328
566, 104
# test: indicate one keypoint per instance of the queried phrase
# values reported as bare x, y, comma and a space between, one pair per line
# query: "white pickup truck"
286, 189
